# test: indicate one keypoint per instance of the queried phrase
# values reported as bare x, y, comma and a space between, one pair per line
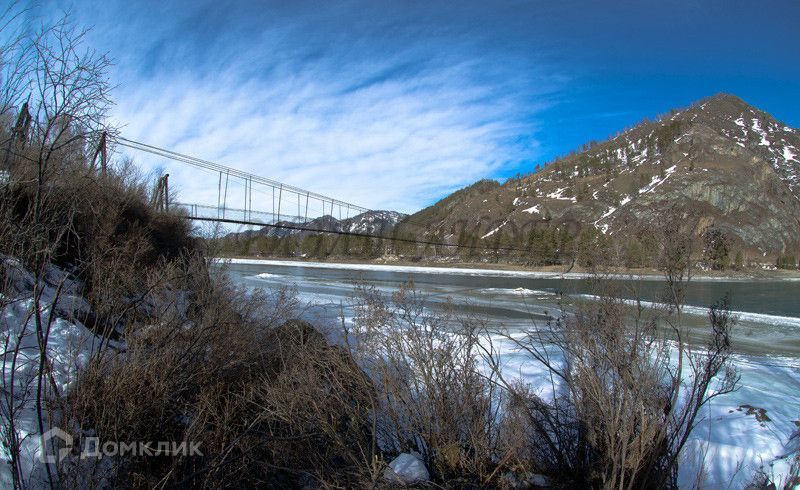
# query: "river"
767, 312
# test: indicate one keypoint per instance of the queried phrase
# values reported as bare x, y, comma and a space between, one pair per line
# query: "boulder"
408, 469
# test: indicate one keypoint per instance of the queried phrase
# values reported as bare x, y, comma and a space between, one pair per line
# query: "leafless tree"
15, 59
66, 90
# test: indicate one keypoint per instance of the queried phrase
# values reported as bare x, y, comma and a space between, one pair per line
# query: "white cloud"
389, 122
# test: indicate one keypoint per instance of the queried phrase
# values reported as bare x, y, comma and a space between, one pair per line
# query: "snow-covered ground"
732, 441
69, 345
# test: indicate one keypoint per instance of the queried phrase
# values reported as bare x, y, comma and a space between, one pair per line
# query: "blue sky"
396, 104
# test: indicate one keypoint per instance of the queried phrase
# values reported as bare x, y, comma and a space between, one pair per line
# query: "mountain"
369, 223
729, 165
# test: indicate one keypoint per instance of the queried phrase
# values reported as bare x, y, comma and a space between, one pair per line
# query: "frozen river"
766, 337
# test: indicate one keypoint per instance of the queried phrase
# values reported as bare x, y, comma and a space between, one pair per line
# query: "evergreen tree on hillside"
634, 254
786, 262
738, 262
717, 248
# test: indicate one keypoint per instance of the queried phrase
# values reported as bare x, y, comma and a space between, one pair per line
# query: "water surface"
767, 311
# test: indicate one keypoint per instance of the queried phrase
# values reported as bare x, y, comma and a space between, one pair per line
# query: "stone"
407, 468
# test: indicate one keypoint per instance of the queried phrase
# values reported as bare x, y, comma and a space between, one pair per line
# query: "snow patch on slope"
657, 180
495, 230
788, 154
757, 128
558, 195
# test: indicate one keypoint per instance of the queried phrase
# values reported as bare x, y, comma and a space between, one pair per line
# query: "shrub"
433, 399
269, 400
621, 410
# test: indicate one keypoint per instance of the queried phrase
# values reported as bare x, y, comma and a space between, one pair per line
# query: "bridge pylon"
160, 199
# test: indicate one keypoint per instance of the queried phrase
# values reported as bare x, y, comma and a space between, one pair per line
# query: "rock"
540, 481
407, 468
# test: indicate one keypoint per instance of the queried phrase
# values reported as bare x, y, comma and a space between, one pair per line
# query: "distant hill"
731, 166
369, 223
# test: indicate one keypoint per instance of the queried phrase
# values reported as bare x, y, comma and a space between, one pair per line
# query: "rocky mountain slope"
722, 161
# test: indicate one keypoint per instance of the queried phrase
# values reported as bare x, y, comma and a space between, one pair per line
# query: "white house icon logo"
45, 455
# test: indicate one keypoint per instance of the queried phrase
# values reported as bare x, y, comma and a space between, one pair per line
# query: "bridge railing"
236, 214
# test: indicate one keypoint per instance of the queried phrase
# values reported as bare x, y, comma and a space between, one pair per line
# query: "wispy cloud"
383, 109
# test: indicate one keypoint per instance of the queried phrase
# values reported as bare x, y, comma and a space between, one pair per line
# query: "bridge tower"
160, 200
19, 135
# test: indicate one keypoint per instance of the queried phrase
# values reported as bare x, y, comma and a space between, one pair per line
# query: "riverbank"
513, 270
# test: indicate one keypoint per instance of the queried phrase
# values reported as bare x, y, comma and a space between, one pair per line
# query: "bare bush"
199, 352
627, 387
432, 397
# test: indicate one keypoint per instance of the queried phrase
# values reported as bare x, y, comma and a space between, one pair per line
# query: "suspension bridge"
277, 202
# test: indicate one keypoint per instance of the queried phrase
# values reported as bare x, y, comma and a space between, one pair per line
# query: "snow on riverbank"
730, 435
461, 271
735, 443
